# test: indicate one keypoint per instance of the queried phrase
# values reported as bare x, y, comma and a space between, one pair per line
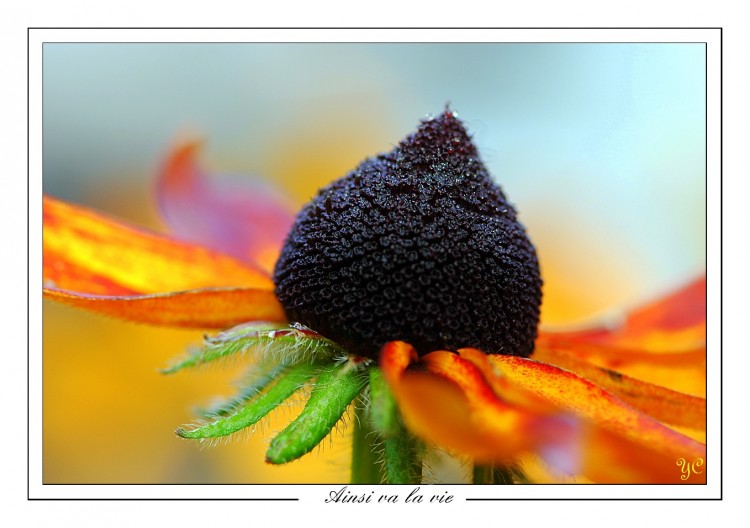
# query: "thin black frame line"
721, 252
236, 499
677, 28
364, 42
579, 499
28, 260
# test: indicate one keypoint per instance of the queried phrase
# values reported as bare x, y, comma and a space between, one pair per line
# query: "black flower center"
416, 245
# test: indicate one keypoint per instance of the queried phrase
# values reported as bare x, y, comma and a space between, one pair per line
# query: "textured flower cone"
416, 245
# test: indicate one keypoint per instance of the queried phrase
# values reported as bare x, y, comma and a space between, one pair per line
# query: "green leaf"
284, 386
334, 390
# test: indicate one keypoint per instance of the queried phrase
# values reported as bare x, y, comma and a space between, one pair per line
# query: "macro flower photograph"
374, 263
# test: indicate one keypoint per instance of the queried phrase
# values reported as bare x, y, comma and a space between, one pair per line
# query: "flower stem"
366, 469
403, 457
499, 474
482, 474
401, 451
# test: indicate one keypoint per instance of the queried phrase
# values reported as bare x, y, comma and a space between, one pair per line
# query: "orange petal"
206, 308
242, 218
592, 442
433, 408
614, 355
87, 252
619, 434
515, 428
453, 406
395, 357
663, 404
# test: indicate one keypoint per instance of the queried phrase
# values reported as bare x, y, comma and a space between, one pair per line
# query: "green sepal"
255, 409
257, 380
334, 390
267, 341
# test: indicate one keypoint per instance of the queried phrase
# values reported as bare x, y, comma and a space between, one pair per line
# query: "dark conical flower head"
416, 245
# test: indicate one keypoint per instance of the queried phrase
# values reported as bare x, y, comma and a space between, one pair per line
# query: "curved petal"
87, 252
244, 219
206, 308
663, 404
635, 445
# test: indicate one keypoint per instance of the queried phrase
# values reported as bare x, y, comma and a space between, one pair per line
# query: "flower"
564, 404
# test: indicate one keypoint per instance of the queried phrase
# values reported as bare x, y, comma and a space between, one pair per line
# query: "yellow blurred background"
600, 147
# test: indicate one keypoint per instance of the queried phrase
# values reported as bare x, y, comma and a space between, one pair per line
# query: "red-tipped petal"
677, 311
87, 252
579, 447
245, 219
206, 308
675, 323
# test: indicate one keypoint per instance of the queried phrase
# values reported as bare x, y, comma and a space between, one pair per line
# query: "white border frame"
317, 493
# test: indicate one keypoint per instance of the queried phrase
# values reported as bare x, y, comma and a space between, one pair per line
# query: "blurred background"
601, 147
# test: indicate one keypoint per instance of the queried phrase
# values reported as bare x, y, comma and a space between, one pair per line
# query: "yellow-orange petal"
245, 218
87, 252
204, 308
616, 433
659, 402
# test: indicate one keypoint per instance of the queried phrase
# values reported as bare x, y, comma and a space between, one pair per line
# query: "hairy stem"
366, 468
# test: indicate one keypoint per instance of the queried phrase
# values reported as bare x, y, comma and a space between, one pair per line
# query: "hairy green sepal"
266, 342
334, 390
285, 384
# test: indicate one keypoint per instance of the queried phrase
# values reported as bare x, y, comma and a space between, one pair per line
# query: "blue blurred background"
601, 147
